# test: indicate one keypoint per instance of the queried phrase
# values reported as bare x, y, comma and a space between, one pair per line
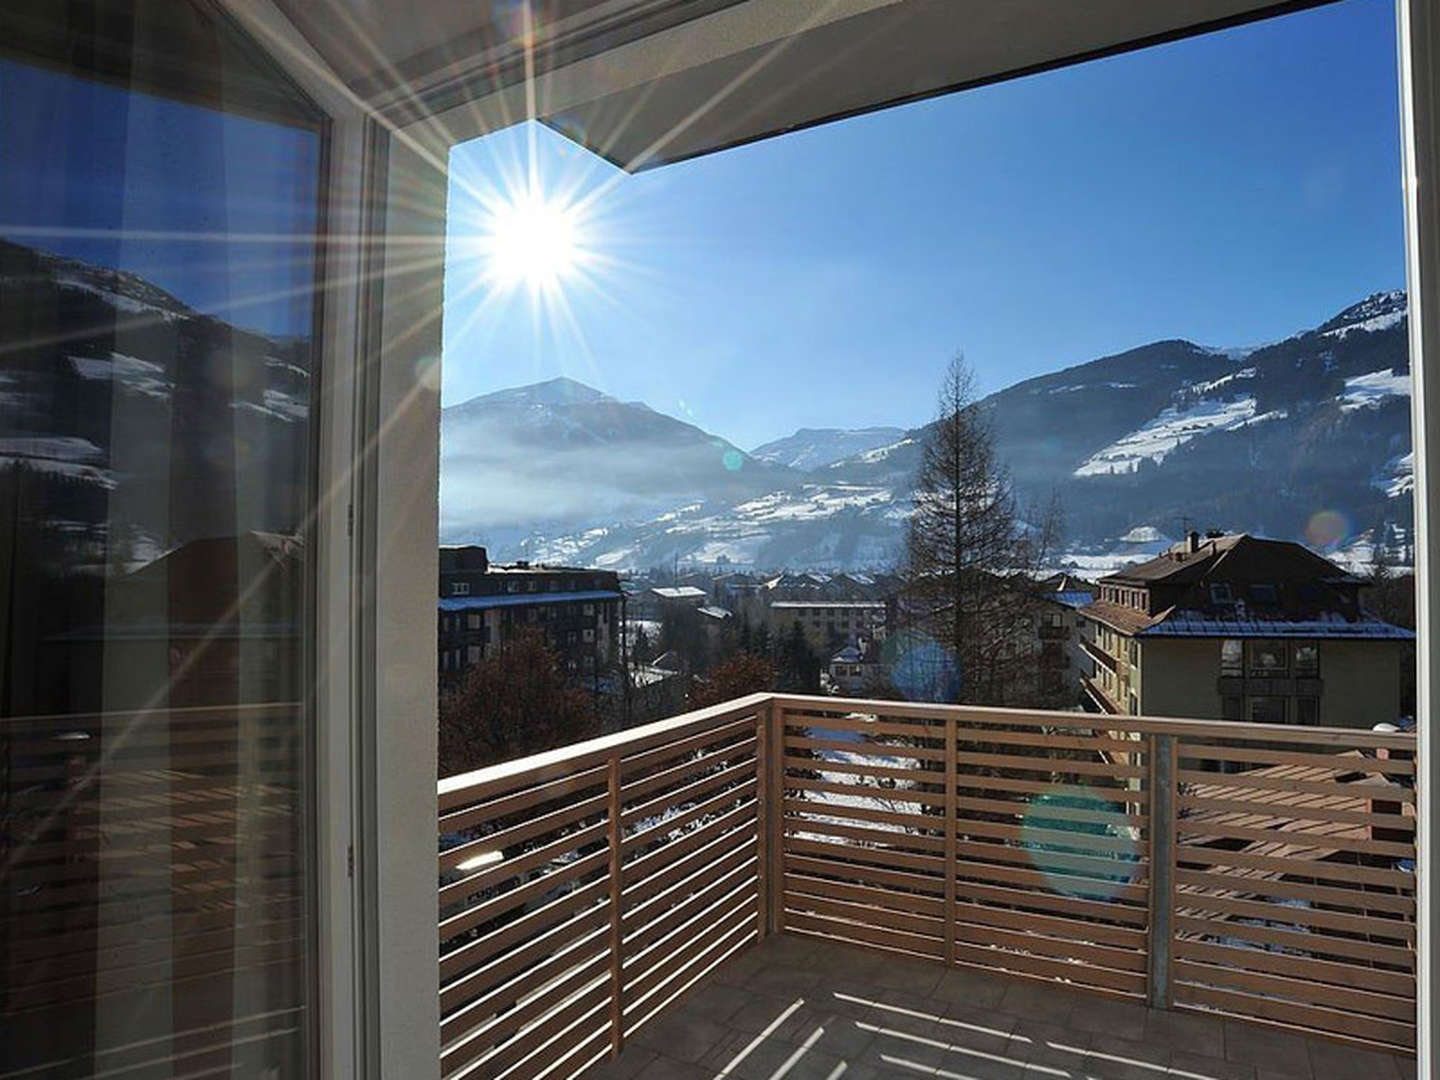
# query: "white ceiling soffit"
895, 51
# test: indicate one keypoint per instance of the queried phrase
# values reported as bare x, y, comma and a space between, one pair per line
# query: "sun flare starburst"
532, 240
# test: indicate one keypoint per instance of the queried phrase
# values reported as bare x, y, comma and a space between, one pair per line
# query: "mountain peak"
558, 391
1378, 311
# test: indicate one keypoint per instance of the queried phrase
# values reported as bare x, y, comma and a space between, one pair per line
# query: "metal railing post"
775, 823
764, 808
615, 836
952, 827
1162, 866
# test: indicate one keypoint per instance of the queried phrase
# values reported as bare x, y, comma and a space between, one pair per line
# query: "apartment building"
829, 624
1239, 627
483, 604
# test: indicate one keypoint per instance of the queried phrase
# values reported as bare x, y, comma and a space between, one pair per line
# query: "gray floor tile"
1184, 1066
1107, 1016
769, 1058
682, 1035
811, 1010
1278, 1053
1337, 1061
1115, 1058
1202, 1036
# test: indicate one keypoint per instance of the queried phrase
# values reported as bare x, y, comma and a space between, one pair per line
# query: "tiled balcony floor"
792, 1008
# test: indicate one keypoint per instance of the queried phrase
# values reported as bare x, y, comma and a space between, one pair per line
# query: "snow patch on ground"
1143, 534
1173, 427
880, 453
1368, 391
62, 455
141, 376
1224, 380
1372, 325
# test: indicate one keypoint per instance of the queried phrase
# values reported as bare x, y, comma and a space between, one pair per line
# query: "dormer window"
460, 588
1264, 594
1220, 593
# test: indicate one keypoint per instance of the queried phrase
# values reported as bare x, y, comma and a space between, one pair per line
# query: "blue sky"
113, 177
1230, 189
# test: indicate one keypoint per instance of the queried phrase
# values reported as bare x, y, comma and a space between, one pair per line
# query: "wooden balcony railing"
1261, 872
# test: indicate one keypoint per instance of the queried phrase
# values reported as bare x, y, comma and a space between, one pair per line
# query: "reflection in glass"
157, 260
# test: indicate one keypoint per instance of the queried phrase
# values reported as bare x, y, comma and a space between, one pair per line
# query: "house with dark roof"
1240, 627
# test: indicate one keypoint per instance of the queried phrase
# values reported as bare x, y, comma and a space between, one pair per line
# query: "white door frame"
1419, 67
337, 1026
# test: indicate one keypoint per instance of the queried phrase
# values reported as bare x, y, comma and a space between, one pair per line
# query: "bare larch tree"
971, 558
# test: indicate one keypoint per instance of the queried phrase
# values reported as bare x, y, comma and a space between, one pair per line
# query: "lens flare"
920, 667
1327, 528
1058, 831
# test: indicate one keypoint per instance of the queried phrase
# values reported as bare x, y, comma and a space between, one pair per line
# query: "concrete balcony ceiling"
680, 78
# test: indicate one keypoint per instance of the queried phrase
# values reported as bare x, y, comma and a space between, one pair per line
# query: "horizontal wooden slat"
689, 794
1394, 983
1316, 1018
1282, 787
1073, 972
905, 902
873, 875
1287, 807
743, 792
1322, 944
1259, 755
1367, 899
1323, 870
1299, 837
1300, 991
566, 761
848, 930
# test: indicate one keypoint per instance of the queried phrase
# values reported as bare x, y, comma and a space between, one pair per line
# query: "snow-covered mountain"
77, 406
1139, 446
814, 448
559, 454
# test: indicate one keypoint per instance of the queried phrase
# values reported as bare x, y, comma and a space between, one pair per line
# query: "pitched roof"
1127, 620
1253, 557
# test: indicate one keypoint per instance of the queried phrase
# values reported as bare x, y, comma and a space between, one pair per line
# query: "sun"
532, 240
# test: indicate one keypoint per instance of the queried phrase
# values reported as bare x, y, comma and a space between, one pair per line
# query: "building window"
1232, 708
589, 609
1267, 710
1134, 705
1264, 595
472, 654
1232, 658
1220, 593
589, 635
1307, 660
1134, 654
1307, 711
1268, 658
472, 621
460, 588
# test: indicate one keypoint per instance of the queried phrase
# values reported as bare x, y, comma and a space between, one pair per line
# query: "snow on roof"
1072, 598
1195, 624
710, 611
478, 603
791, 604
677, 592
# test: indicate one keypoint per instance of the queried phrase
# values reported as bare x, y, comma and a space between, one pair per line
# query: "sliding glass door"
160, 208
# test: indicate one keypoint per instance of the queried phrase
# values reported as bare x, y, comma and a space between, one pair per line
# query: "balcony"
790, 886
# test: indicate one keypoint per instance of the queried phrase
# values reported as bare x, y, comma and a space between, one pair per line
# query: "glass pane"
156, 363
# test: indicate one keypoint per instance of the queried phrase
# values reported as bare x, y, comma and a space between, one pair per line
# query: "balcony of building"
791, 887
